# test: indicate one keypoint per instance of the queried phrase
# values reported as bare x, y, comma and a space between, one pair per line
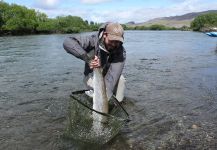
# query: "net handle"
119, 104
80, 92
104, 114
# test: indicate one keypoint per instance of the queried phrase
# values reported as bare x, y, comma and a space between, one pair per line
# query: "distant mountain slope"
173, 21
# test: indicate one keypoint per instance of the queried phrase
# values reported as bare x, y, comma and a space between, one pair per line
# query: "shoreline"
8, 33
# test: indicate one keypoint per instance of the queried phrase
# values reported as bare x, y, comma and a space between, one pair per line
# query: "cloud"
188, 6
46, 4
144, 14
93, 1
123, 16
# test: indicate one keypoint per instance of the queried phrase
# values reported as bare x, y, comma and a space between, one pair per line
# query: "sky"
121, 11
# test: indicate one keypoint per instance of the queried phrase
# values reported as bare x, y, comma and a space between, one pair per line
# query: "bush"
157, 27
208, 20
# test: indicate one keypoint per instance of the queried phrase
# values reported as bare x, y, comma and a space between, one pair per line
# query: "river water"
171, 91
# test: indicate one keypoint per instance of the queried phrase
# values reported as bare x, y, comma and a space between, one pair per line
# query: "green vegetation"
204, 22
16, 19
154, 27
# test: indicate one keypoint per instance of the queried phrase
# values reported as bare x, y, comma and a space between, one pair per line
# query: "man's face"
111, 44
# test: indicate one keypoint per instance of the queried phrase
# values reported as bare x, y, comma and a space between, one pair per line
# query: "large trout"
100, 99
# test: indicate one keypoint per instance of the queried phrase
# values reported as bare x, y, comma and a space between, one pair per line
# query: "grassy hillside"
169, 23
173, 21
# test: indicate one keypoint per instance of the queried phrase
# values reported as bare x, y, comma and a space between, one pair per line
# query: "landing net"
85, 125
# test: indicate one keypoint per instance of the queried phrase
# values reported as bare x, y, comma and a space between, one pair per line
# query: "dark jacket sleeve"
79, 46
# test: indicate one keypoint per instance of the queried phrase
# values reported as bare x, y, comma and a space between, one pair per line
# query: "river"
171, 91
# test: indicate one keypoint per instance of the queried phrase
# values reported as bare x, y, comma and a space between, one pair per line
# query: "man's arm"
112, 77
79, 46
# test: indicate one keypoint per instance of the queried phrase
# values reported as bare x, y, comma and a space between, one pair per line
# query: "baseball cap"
115, 32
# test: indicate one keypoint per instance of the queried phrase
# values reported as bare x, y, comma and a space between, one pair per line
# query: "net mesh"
90, 126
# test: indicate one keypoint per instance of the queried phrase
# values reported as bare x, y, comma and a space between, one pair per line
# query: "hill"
173, 21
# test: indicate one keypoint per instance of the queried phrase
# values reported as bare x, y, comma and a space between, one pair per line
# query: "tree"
41, 17
208, 20
47, 26
70, 24
20, 19
94, 26
4, 7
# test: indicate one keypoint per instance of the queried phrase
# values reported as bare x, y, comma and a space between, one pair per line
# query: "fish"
100, 99
100, 102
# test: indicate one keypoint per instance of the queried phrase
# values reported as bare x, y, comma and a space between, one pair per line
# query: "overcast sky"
121, 11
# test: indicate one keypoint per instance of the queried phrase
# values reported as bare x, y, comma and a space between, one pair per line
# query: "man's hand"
95, 63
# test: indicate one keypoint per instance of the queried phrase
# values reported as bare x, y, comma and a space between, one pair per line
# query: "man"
102, 49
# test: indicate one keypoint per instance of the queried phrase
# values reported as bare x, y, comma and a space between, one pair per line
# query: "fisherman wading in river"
105, 50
